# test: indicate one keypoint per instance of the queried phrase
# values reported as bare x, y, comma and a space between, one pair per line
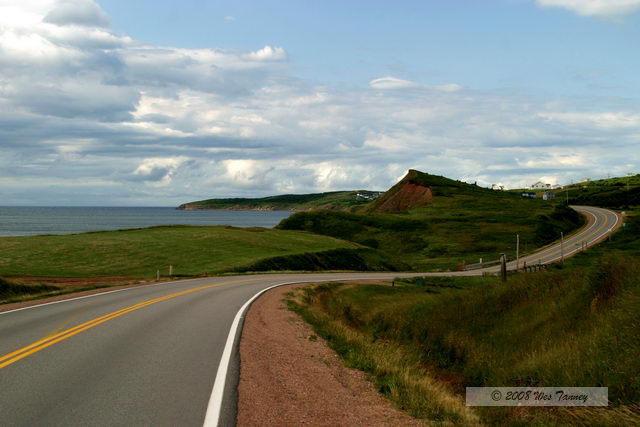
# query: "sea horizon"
38, 220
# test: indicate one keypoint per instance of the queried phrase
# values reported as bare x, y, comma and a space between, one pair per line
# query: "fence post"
503, 267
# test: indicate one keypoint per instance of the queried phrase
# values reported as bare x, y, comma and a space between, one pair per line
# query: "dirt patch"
410, 196
290, 377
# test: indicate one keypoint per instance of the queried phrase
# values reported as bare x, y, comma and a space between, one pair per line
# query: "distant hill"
335, 200
417, 190
619, 192
427, 222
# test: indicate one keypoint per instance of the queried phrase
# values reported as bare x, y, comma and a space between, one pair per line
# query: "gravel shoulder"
288, 376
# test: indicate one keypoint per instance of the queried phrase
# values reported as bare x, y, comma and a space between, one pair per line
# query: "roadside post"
503, 267
517, 251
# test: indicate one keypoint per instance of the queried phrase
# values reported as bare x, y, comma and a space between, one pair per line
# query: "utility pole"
517, 251
562, 247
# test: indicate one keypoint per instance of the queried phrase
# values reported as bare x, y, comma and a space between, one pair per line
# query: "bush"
562, 219
336, 259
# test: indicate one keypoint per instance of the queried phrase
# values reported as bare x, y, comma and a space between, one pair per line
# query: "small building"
497, 187
529, 194
548, 195
541, 186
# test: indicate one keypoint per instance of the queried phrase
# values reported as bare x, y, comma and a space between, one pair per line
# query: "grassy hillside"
621, 192
426, 339
462, 223
139, 253
331, 200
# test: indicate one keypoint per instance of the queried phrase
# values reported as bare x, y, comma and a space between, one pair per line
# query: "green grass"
330, 200
139, 253
462, 224
426, 339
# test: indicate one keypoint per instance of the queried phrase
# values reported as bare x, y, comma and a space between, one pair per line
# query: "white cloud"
268, 53
603, 8
395, 83
392, 83
604, 120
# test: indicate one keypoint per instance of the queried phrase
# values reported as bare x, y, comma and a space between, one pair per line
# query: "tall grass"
13, 291
575, 325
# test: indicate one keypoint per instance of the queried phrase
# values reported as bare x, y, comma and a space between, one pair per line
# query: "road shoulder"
289, 376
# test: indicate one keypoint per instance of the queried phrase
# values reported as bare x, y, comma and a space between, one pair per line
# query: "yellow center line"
50, 340
66, 322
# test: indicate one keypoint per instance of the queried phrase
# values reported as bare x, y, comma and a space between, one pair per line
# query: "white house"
541, 186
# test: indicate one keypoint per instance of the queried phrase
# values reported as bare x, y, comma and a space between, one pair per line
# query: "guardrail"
523, 267
478, 265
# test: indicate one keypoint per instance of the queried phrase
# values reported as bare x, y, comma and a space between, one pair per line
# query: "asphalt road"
602, 223
150, 355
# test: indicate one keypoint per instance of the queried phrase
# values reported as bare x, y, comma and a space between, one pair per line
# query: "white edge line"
212, 417
99, 294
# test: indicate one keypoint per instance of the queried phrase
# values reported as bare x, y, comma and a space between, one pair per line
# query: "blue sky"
114, 102
483, 45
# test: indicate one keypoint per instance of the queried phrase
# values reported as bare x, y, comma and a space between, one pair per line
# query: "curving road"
600, 224
160, 354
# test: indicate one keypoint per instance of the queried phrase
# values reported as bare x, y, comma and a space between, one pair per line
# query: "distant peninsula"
334, 200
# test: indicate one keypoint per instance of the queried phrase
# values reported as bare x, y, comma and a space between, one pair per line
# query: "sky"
158, 103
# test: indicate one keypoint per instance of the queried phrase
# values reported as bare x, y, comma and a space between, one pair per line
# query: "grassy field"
462, 224
331, 200
426, 339
140, 253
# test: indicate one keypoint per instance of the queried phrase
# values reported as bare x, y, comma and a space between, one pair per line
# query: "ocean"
29, 221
